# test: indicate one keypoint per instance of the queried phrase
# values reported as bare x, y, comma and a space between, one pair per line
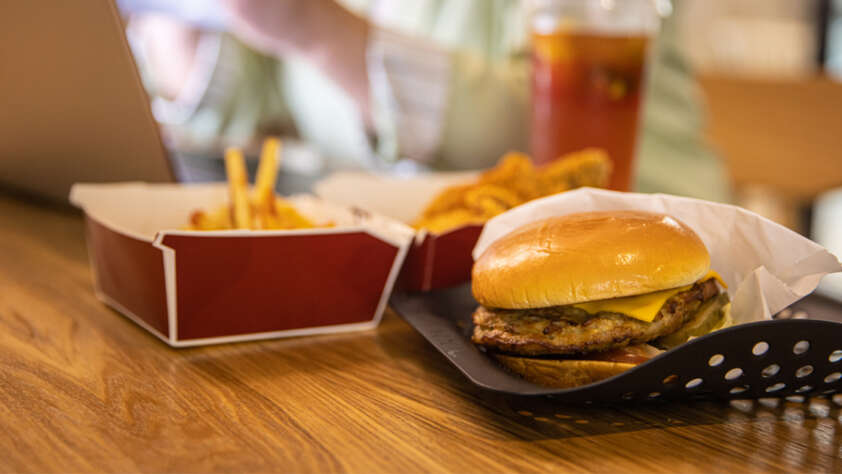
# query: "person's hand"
320, 31
170, 49
279, 27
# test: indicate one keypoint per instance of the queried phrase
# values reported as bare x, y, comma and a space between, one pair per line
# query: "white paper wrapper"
767, 267
143, 209
401, 198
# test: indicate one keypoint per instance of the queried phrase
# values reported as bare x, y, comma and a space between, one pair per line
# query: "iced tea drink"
587, 90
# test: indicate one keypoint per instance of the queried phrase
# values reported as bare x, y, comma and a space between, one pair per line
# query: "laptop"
72, 106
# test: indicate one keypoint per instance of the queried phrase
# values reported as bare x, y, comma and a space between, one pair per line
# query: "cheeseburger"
569, 300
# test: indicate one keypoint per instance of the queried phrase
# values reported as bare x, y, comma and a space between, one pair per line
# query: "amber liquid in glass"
586, 92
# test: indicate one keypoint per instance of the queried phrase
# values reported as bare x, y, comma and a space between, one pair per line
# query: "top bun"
587, 257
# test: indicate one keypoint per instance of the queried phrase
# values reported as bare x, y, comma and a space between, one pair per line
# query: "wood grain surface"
84, 389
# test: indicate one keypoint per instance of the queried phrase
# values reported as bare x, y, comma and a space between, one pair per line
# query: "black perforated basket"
774, 358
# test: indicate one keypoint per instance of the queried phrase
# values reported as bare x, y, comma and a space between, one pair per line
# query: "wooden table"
84, 389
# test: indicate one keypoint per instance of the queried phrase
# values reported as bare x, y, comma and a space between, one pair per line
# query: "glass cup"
589, 71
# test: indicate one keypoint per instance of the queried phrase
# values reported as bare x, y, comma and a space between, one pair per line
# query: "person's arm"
450, 104
326, 34
452, 108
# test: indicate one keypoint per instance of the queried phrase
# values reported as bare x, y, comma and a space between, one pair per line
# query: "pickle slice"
714, 314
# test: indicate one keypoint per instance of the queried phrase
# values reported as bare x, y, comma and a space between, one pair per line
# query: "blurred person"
441, 82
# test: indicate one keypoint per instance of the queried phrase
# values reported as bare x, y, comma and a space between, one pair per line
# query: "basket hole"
716, 360
770, 370
745, 406
834, 377
775, 387
628, 396
670, 379
804, 388
835, 356
734, 374
804, 371
736, 390
760, 348
654, 394
801, 347
796, 398
769, 402
819, 408
693, 383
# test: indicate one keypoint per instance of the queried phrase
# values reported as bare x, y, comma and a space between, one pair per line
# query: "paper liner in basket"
767, 267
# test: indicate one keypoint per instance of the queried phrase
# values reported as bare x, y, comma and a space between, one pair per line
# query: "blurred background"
768, 71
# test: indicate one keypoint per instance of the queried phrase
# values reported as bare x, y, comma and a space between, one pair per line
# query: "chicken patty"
569, 330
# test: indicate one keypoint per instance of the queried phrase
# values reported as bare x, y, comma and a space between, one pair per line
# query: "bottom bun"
565, 373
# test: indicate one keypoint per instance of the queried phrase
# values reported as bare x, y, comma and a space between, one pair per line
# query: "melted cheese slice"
643, 307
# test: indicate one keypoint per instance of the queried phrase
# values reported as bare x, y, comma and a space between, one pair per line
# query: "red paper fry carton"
435, 259
203, 287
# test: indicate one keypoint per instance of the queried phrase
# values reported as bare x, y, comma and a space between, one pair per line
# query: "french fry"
260, 209
285, 216
267, 170
513, 181
488, 200
218, 219
235, 168
589, 167
449, 220
264, 183
515, 172
448, 199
